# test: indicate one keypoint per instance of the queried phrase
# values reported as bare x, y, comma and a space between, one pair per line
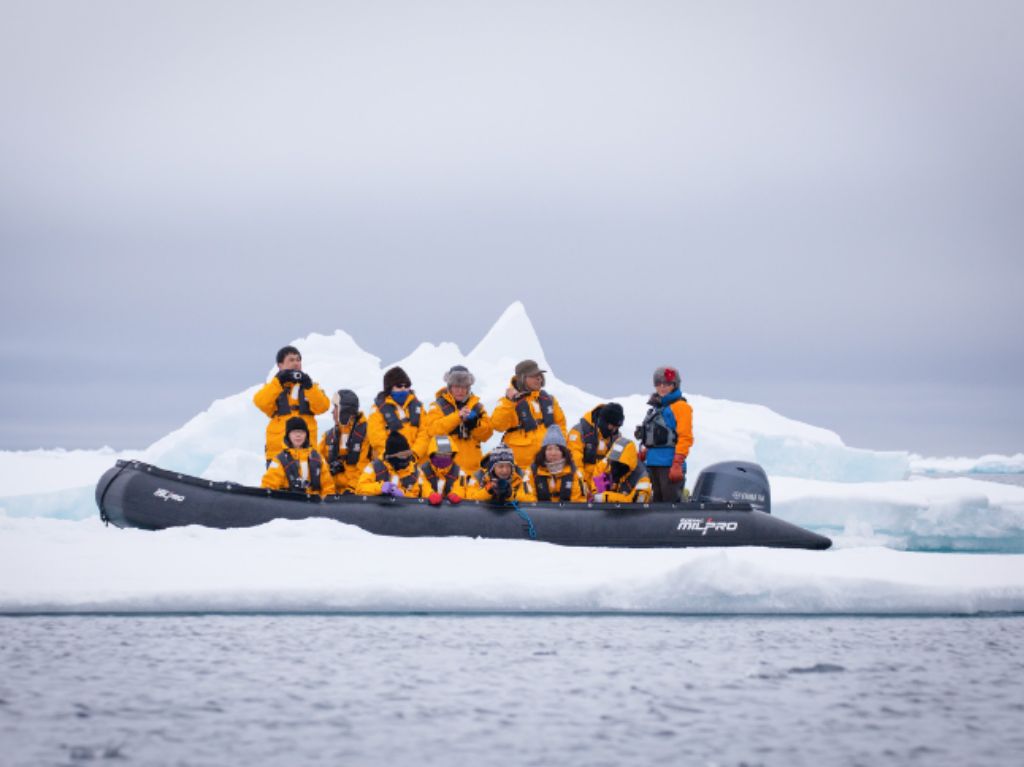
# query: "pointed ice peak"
512, 337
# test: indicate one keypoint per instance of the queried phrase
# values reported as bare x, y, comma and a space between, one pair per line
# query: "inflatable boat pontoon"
731, 507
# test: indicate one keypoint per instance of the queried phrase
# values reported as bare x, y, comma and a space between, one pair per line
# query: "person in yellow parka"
345, 446
441, 478
502, 481
621, 477
592, 438
526, 412
395, 473
458, 414
555, 475
298, 467
667, 435
395, 409
289, 393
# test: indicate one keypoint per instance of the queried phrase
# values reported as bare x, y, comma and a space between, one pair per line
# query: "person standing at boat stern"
555, 475
298, 467
592, 438
526, 412
394, 474
458, 414
289, 393
666, 435
395, 409
345, 445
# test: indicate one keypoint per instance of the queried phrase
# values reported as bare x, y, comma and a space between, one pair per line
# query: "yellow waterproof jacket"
298, 468
409, 415
525, 440
280, 408
378, 472
443, 481
634, 487
442, 418
578, 436
480, 486
549, 486
335, 446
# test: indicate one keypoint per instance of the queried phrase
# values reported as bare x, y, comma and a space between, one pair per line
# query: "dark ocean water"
510, 690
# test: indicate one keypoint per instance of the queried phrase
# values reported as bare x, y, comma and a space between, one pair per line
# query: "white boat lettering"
702, 526
167, 495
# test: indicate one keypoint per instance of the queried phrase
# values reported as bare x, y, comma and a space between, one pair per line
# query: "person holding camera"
666, 435
290, 392
345, 446
502, 481
526, 412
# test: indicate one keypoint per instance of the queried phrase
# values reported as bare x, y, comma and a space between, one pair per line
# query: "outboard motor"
734, 482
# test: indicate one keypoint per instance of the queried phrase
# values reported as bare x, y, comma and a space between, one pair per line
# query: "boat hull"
138, 495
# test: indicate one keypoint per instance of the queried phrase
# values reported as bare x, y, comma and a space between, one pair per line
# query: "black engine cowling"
734, 482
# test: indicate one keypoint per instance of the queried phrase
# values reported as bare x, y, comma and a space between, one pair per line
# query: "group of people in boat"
405, 449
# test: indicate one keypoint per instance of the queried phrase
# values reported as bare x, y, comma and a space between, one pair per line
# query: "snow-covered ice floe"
986, 464
49, 565
884, 516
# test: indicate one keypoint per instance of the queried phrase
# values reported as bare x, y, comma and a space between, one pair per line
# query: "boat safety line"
530, 529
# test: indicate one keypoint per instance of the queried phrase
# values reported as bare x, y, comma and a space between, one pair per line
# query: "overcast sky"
816, 206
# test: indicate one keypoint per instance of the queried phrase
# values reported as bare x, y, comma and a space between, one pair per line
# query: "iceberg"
894, 518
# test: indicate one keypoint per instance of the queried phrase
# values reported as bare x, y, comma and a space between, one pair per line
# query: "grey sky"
813, 206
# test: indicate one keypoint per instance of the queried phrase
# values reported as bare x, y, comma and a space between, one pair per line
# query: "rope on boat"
530, 529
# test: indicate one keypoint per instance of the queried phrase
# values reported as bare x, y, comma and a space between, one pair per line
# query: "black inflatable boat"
730, 508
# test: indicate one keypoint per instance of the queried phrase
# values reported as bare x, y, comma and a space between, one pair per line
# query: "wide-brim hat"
528, 368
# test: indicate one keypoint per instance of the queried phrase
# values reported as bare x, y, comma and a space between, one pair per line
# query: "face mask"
399, 463
441, 461
400, 395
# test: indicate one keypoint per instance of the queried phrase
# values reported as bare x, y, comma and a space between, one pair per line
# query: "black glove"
638, 434
306, 381
289, 376
502, 489
336, 467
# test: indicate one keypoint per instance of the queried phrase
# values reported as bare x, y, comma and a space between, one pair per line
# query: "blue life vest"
659, 431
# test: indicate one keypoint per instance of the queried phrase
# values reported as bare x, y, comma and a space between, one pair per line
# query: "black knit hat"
395, 377
612, 414
296, 423
395, 443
